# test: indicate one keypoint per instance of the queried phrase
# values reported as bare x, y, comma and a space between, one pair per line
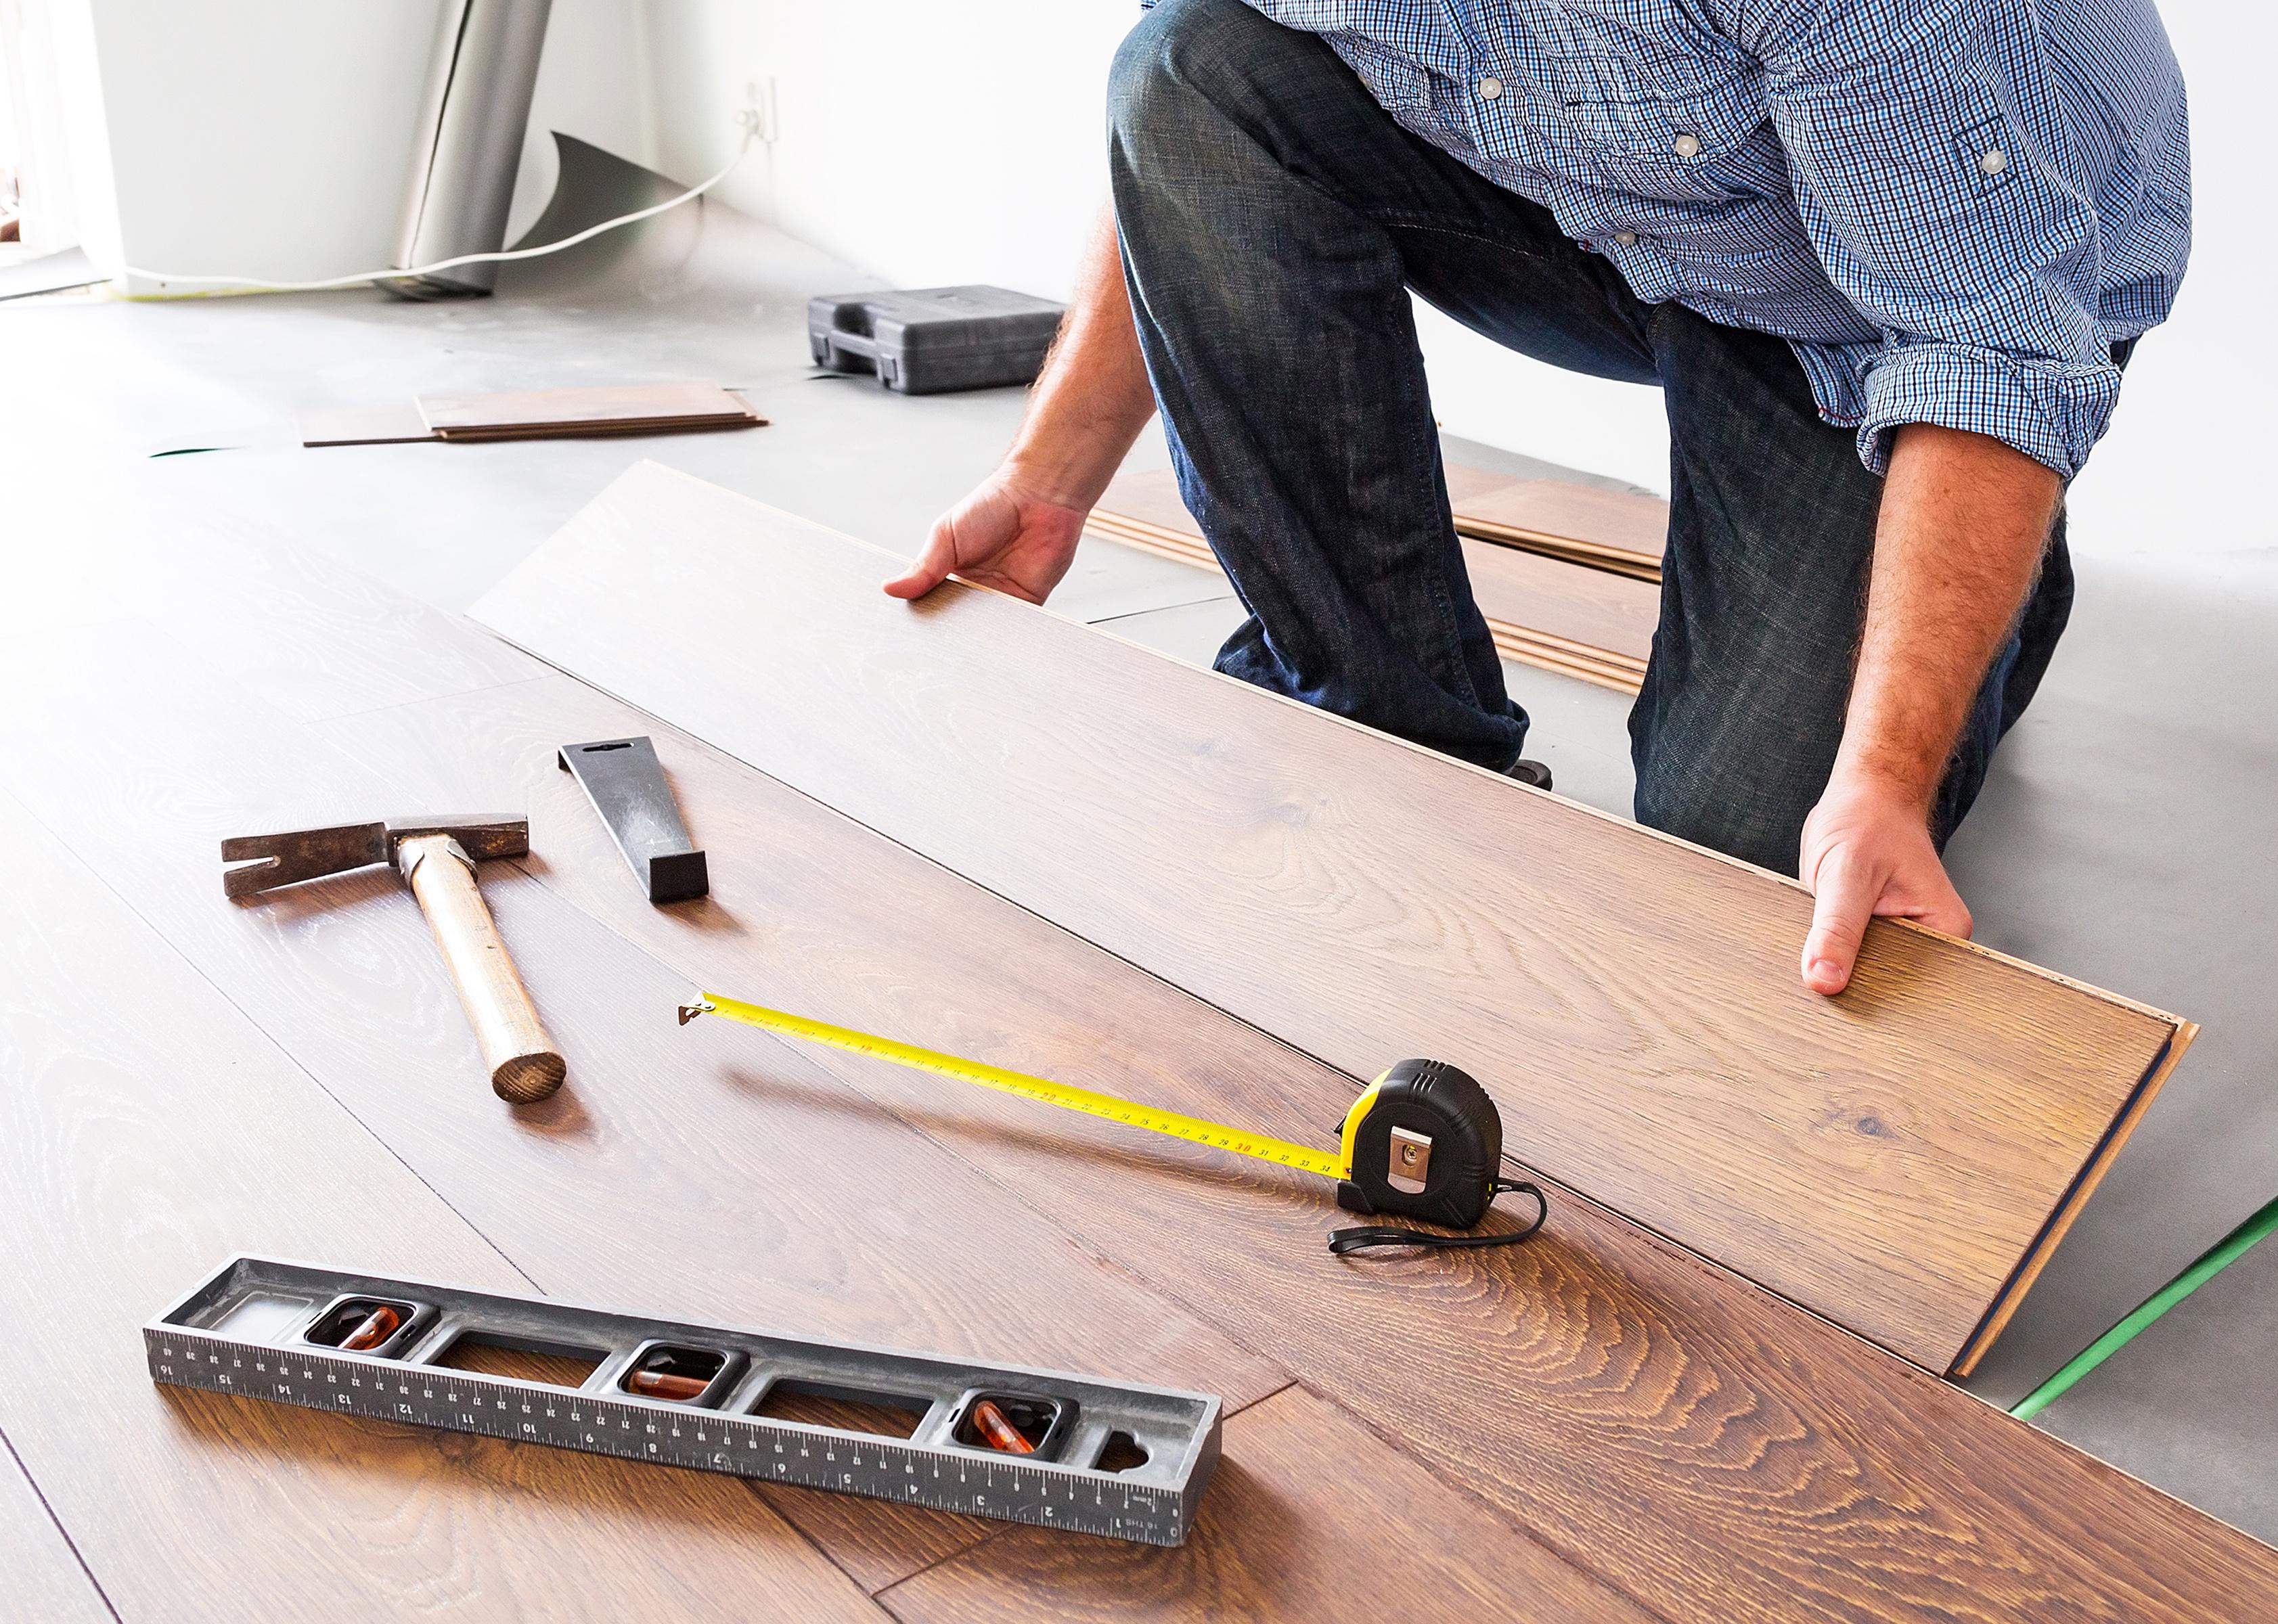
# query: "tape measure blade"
1113, 1108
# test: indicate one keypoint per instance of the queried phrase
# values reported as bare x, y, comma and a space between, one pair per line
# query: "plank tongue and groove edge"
1899, 1159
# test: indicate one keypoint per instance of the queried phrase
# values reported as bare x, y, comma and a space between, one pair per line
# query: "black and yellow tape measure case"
1425, 1142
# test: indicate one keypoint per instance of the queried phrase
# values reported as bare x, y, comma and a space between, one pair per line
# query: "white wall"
925, 142
2185, 468
928, 143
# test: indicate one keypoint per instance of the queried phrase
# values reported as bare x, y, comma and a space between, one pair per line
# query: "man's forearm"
1964, 521
1092, 398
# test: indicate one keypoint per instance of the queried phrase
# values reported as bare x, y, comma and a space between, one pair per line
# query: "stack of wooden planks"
1615, 530
1560, 571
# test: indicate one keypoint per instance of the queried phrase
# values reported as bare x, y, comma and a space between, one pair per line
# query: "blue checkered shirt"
1952, 209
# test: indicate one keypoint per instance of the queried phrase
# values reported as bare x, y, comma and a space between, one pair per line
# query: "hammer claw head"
264, 862
270, 860
484, 835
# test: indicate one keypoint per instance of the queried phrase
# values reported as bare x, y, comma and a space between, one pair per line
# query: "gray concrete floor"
2129, 835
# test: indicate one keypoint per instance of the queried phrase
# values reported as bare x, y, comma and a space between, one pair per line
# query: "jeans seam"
1426, 448
1417, 223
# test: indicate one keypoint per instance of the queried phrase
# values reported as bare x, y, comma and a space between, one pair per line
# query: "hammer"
436, 856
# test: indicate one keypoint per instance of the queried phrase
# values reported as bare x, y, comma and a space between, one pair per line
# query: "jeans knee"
1765, 827
1164, 84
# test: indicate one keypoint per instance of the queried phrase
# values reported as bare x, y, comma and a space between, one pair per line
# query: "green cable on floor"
2210, 1262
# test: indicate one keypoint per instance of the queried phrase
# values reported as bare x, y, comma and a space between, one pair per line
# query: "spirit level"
1100, 1457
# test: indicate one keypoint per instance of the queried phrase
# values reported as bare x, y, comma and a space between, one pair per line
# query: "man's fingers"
1947, 911
932, 568
1843, 897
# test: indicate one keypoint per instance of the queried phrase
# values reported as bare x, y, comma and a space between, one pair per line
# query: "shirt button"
1628, 240
1994, 161
1490, 87
1687, 146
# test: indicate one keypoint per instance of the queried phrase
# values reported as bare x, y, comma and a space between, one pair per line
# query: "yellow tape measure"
1424, 1140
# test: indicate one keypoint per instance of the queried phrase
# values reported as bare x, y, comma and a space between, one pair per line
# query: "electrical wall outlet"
757, 118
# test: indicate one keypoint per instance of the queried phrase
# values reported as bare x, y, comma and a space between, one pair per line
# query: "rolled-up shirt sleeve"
1938, 185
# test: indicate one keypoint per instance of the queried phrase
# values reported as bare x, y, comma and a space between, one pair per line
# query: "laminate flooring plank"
675, 1172
1311, 1517
541, 411
1897, 1158
1524, 595
44, 1578
309, 638
873, 1236
147, 1131
1573, 520
1695, 1440
1614, 614
813, 886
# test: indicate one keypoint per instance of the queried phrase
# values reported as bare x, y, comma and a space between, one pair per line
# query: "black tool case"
929, 341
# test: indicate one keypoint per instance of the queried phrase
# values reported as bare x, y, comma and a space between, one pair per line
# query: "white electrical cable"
503, 254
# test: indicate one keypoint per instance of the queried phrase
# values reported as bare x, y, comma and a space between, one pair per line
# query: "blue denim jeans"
1275, 219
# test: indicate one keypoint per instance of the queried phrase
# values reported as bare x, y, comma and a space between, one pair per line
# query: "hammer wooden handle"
524, 1065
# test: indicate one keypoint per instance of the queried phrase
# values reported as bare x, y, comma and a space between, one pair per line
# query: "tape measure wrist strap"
1342, 1241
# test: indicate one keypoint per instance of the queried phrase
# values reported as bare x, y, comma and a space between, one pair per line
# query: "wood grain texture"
1512, 590
1543, 611
309, 640
629, 1186
1889, 1158
1610, 528
1696, 1441
1701, 1444
147, 1131
45, 1580
1600, 612
1310, 1516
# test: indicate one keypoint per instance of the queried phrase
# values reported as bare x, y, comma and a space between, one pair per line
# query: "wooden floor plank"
1893, 1158
148, 1131
807, 1215
311, 640
1609, 613
1657, 1420
44, 1578
850, 1221
1614, 528
1699, 1442
1542, 610
1276, 1539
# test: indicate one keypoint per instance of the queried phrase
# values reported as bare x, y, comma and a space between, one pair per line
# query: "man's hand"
1867, 850
1964, 521
1000, 536
1017, 532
